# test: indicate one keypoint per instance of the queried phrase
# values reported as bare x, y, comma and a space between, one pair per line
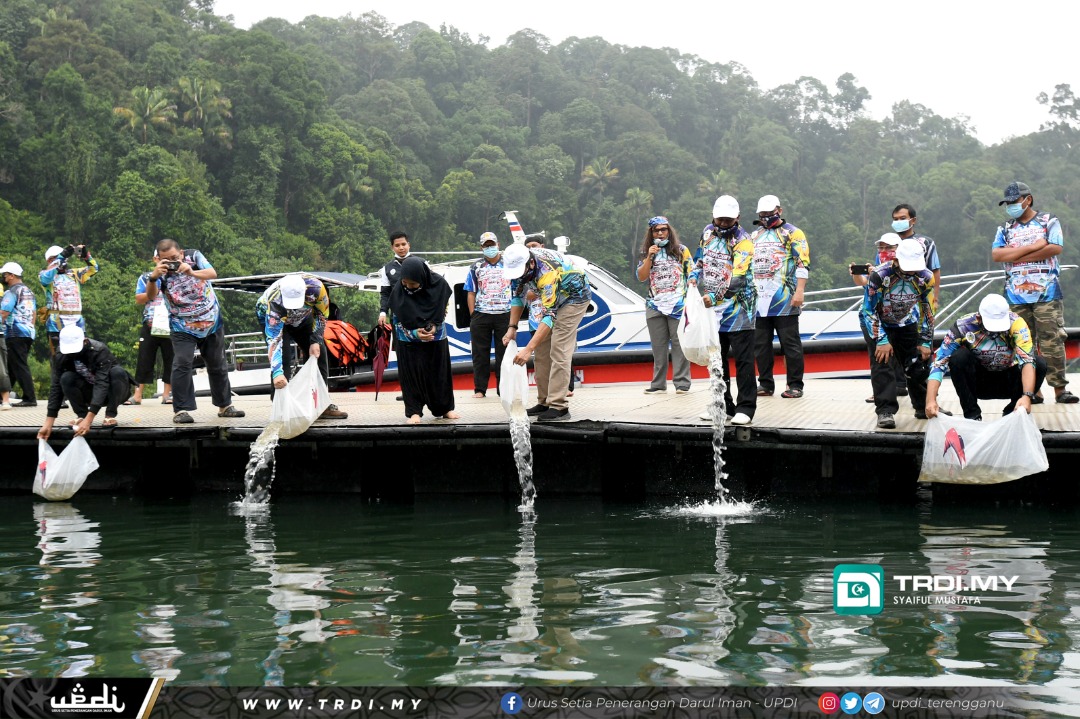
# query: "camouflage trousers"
1046, 320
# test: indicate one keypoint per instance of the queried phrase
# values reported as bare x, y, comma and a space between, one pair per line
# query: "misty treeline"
301, 146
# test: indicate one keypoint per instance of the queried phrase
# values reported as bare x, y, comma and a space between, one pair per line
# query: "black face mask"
530, 273
726, 231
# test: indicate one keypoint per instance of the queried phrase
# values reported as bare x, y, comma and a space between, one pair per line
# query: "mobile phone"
863, 269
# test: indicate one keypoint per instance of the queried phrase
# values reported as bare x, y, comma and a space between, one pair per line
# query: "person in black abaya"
418, 304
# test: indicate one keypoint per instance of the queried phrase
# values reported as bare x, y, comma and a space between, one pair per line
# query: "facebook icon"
511, 703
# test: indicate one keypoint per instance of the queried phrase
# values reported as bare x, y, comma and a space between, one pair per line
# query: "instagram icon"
829, 703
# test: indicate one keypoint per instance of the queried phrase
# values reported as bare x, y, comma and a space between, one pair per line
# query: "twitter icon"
850, 703
873, 703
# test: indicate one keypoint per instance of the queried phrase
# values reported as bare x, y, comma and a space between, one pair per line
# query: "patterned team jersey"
995, 351
667, 282
557, 283
895, 299
149, 307
1027, 283
719, 261
930, 254
63, 296
21, 305
404, 335
193, 306
781, 259
273, 316
491, 287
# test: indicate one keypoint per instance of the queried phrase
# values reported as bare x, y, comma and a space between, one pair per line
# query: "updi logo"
511, 703
858, 589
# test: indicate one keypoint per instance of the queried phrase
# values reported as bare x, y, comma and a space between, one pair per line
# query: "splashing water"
718, 413
522, 439
713, 509
261, 467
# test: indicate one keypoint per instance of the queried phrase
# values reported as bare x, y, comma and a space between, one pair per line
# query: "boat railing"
966, 287
245, 347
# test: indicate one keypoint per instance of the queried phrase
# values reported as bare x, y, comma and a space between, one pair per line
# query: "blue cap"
1015, 191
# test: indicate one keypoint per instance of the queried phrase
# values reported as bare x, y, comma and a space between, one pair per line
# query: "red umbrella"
381, 357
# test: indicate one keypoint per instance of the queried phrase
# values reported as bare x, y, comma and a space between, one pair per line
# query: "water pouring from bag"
513, 391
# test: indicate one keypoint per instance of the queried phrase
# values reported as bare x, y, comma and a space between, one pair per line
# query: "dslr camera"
172, 265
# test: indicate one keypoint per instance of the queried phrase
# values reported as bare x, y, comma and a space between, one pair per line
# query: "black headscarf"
425, 306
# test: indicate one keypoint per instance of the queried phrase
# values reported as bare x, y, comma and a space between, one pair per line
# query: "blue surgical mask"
661, 243
901, 225
491, 252
1015, 210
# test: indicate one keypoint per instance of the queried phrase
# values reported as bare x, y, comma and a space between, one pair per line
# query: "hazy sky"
984, 60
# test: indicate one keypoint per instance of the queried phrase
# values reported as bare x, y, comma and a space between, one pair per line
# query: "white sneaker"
741, 418
682, 391
5, 406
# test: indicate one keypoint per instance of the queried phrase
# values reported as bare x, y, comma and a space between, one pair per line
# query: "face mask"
491, 252
661, 243
1015, 210
296, 315
771, 221
901, 225
887, 255
410, 290
726, 231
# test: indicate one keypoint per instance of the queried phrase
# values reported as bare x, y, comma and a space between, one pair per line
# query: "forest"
302, 146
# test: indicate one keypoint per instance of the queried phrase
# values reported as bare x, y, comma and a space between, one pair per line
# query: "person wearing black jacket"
391, 273
86, 373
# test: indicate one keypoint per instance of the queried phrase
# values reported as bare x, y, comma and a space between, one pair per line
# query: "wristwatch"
1029, 394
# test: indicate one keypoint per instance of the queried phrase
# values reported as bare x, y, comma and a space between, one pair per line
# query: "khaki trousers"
552, 358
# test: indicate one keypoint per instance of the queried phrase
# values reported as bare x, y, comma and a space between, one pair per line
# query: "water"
523, 458
261, 466
454, 591
718, 413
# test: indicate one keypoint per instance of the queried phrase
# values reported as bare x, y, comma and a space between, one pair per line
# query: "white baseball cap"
725, 206
910, 255
13, 268
293, 289
515, 257
71, 339
890, 238
768, 203
994, 312
53, 252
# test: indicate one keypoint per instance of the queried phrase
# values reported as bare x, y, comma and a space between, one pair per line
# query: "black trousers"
212, 349
905, 344
898, 371
79, 392
786, 328
973, 382
19, 366
740, 345
149, 346
424, 369
302, 339
482, 329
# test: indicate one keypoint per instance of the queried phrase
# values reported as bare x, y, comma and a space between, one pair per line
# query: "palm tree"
354, 180
148, 107
598, 176
719, 183
637, 205
207, 108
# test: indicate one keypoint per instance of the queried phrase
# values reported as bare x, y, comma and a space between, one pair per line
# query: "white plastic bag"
513, 380
697, 329
963, 451
159, 325
60, 477
301, 402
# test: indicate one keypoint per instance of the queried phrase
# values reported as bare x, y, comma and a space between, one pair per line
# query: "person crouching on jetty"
418, 304
87, 374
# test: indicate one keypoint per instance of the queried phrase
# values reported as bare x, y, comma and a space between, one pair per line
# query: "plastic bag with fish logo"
963, 451
513, 381
697, 330
301, 402
60, 477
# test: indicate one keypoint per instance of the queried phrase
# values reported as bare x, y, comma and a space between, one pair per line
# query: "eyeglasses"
660, 229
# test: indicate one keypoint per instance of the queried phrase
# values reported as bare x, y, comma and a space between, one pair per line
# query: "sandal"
230, 411
791, 393
1067, 397
762, 392
110, 422
130, 402
166, 400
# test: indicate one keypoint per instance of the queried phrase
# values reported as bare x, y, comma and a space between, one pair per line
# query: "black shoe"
230, 411
901, 391
536, 410
182, 418
25, 403
886, 421
920, 414
400, 398
554, 415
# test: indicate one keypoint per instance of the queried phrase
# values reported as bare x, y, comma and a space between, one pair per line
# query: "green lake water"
449, 591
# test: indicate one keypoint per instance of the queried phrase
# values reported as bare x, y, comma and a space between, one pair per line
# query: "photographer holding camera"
62, 286
183, 278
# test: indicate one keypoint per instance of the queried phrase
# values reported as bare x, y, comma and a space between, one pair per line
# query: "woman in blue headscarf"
665, 264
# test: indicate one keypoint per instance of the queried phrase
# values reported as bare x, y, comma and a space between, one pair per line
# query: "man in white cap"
723, 274
886, 253
295, 309
62, 287
18, 312
489, 312
781, 270
898, 316
564, 297
87, 374
989, 355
